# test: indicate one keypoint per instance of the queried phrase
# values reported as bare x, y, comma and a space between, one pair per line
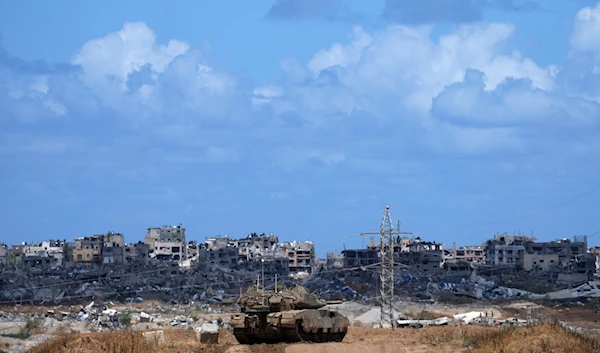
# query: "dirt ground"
358, 340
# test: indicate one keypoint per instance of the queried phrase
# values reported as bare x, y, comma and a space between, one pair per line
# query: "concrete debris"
207, 333
467, 318
423, 323
586, 290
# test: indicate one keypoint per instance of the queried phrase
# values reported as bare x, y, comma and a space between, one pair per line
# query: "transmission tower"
387, 265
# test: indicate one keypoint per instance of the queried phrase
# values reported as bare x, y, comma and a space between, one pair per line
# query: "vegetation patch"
548, 337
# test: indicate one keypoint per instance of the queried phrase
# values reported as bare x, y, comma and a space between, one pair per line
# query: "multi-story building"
506, 249
88, 249
44, 254
470, 254
301, 256
566, 249
360, 257
540, 262
167, 243
137, 253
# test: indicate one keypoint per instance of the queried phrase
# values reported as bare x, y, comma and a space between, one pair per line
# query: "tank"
288, 315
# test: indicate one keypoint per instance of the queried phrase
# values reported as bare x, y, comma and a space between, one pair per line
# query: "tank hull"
310, 325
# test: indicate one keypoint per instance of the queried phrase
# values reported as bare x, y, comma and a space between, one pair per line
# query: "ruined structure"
167, 243
506, 249
3, 254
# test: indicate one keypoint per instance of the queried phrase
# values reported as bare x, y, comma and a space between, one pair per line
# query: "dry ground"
547, 338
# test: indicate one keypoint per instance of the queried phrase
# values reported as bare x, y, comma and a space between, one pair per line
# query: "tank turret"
288, 315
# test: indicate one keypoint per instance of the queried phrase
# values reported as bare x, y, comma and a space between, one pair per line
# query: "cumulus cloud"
406, 61
394, 113
449, 90
587, 26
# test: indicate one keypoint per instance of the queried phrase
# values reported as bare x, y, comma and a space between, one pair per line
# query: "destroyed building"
360, 257
298, 256
167, 243
301, 256
334, 260
43, 255
88, 249
137, 253
3, 254
506, 249
566, 249
423, 256
224, 256
469, 254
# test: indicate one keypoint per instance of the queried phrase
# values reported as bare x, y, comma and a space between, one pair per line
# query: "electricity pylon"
386, 274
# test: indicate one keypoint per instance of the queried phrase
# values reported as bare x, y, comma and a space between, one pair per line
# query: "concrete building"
175, 234
137, 253
167, 243
226, 256
506, 249
469, 254
94, 242
334, 260
301, 256
88, 249
540, 262
112, 239
44, 254
255, 246
87, 255
113, 255
168, 251
425, 261
360, 257
3, 254
40, 262
566, 249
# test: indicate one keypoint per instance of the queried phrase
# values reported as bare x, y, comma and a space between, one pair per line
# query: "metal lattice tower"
386, 276
387, 265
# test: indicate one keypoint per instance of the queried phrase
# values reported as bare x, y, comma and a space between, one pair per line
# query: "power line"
544, 210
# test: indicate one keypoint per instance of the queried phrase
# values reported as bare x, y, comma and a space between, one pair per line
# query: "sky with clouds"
300, 118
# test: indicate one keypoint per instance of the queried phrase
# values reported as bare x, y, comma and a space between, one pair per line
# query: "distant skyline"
300, 118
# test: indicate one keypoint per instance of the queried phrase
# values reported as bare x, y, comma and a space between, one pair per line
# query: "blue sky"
301, 118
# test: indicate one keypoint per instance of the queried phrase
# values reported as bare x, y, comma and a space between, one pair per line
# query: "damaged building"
506, 249
300, 255
3, 254
167, 243
422, 256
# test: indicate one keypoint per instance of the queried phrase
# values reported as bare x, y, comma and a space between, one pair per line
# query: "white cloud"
406, 63
399, 75
342, 55
265, 94
109, 60
586, 33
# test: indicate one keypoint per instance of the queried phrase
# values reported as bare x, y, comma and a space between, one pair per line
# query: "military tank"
288, 315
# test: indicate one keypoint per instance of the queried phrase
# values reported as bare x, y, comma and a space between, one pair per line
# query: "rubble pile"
160, 281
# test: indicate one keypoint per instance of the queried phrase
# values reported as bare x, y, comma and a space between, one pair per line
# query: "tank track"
291, 335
